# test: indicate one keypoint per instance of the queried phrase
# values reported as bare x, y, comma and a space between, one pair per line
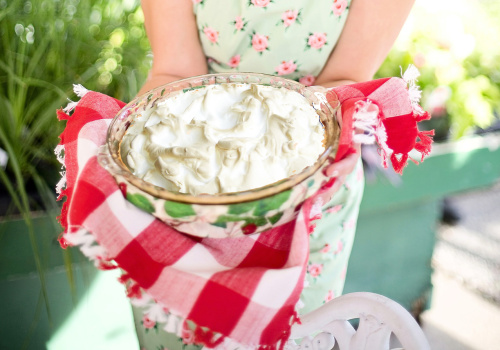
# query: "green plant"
451, 44
45, 47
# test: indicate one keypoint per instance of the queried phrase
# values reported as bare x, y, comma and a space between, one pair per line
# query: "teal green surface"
392, 252
397, 223
16, 253
99, 319
452, 168
96, 315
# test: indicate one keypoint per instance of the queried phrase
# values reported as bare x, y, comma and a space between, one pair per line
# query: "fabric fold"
385, 111
241, 290
244, 289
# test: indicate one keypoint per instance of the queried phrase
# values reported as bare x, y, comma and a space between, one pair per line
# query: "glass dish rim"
116, 166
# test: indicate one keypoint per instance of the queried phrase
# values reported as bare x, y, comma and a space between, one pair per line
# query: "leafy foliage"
45, 47
452, 44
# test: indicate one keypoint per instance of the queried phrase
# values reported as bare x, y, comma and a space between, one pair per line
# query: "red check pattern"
243, 288
398, 113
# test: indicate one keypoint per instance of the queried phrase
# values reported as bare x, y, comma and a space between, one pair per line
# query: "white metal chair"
379, 317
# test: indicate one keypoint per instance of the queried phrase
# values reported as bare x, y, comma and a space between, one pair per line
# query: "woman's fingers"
327, 196
339, 170
344, 166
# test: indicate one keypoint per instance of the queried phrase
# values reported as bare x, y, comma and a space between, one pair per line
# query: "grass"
45, 47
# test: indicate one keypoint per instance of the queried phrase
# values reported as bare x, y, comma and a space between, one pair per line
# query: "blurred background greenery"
451, 43
46, 46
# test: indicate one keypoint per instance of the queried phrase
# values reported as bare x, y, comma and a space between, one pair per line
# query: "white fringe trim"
173, 325
381, 136
156, 312
59, 152
62, 183
87, 244
365, 119
80, 91
71, 105
410, 76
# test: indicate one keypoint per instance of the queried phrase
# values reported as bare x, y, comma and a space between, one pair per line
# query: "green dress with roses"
293, 39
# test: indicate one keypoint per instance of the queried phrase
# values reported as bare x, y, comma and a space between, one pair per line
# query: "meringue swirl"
223, 138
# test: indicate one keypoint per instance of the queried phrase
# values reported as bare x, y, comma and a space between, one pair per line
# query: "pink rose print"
329, 296
211, 34
325, 249
197, 1
147, 322
339, 7
334, 209
289, 17
340, 247
234, 61
307, 80
260, 3
187, 336
239, 23
349, 224
259, 42
316, 40
286, 68
315, 269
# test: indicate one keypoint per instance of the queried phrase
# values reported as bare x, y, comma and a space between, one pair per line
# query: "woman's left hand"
340, 170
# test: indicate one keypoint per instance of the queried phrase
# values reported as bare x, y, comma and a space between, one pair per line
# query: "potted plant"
45, 47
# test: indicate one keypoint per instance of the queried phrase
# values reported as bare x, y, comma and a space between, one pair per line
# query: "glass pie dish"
224, 214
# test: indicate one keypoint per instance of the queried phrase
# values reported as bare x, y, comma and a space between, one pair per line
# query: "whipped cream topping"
223, 138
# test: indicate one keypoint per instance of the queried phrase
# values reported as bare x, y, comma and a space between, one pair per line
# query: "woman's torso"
290, 38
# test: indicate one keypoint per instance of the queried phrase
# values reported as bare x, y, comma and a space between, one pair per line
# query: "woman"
321, 42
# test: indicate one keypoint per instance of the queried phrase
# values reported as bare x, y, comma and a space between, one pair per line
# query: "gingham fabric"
385, 111
243, 289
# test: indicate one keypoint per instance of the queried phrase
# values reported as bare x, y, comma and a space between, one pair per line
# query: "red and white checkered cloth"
244, 289
386, 111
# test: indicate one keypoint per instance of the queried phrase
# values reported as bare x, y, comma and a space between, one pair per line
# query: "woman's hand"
339, 170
